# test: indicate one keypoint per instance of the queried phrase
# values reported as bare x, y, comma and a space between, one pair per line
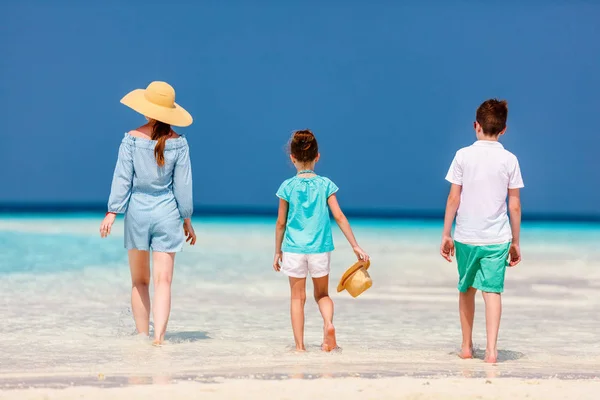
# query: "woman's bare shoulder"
141, 133
145, 133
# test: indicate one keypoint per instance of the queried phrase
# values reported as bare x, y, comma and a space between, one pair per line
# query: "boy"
481, 176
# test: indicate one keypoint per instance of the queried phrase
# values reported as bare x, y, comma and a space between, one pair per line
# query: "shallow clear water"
64, 303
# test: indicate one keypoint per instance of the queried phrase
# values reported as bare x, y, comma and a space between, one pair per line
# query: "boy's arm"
279, 232
447, 247
344, 225
514, 208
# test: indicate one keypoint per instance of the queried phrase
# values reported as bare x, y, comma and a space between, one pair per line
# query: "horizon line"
258, 211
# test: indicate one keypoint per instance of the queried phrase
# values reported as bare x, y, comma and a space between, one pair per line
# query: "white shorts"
299, 265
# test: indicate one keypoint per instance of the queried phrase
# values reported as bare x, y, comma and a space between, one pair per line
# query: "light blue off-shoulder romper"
154, 199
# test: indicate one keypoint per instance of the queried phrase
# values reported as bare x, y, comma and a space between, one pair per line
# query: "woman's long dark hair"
160, 133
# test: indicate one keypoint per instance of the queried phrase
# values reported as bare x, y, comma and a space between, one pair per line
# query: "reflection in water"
149, 380
475, 369
186, 337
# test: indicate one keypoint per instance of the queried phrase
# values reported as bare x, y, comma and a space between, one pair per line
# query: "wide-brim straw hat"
356, 279
157, 101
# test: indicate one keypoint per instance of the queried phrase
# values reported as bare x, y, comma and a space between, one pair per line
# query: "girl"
303, 240
152, 186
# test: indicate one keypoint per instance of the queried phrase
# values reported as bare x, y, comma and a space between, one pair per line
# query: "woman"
152, 186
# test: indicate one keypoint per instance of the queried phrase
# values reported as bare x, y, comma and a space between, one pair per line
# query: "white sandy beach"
68, 330
345, 388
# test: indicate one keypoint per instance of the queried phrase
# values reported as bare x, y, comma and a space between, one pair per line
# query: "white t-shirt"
486, 171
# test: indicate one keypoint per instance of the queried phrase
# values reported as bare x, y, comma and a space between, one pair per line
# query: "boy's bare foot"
329, 342
491, 357
466, 353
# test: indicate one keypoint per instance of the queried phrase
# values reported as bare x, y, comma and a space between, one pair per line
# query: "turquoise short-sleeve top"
308, 228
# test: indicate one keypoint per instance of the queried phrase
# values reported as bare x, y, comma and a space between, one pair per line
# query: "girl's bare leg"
326, 308
298, 299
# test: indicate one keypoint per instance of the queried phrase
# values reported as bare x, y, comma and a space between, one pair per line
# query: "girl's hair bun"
304, 146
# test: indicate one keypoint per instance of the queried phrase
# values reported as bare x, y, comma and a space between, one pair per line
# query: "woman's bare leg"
162, 268
139, 264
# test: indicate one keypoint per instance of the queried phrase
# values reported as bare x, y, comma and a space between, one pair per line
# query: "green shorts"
481, 267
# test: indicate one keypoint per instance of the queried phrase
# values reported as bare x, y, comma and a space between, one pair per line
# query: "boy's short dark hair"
491, 115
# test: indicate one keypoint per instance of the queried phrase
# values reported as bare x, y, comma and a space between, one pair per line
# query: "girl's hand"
360, 254
107, 224
188, 229
277, 261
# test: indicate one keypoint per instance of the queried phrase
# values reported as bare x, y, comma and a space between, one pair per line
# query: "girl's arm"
344, 225
279, 232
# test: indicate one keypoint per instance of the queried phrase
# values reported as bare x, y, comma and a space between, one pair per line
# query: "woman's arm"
182, 190
344, 225
182, 183
120, 191
279, 232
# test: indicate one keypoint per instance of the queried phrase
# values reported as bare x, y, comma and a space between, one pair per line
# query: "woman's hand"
107, 224
360, 254
188, 229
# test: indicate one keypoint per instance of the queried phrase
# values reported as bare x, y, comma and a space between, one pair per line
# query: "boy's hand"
514, 254
360, 254
277, 261
447, 248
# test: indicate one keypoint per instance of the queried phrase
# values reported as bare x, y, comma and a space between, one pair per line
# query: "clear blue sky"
390, 88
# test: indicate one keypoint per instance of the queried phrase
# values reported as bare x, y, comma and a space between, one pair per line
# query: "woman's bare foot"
329, 342
491, 357
466, 352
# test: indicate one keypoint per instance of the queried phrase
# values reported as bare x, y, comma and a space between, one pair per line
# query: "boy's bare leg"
493, 312
466, 306
322, 298
298, 299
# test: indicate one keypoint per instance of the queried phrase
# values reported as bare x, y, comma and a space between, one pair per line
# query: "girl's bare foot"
466, 352
491, 357
329, 342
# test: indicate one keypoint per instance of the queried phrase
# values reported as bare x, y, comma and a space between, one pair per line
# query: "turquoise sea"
64, 303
